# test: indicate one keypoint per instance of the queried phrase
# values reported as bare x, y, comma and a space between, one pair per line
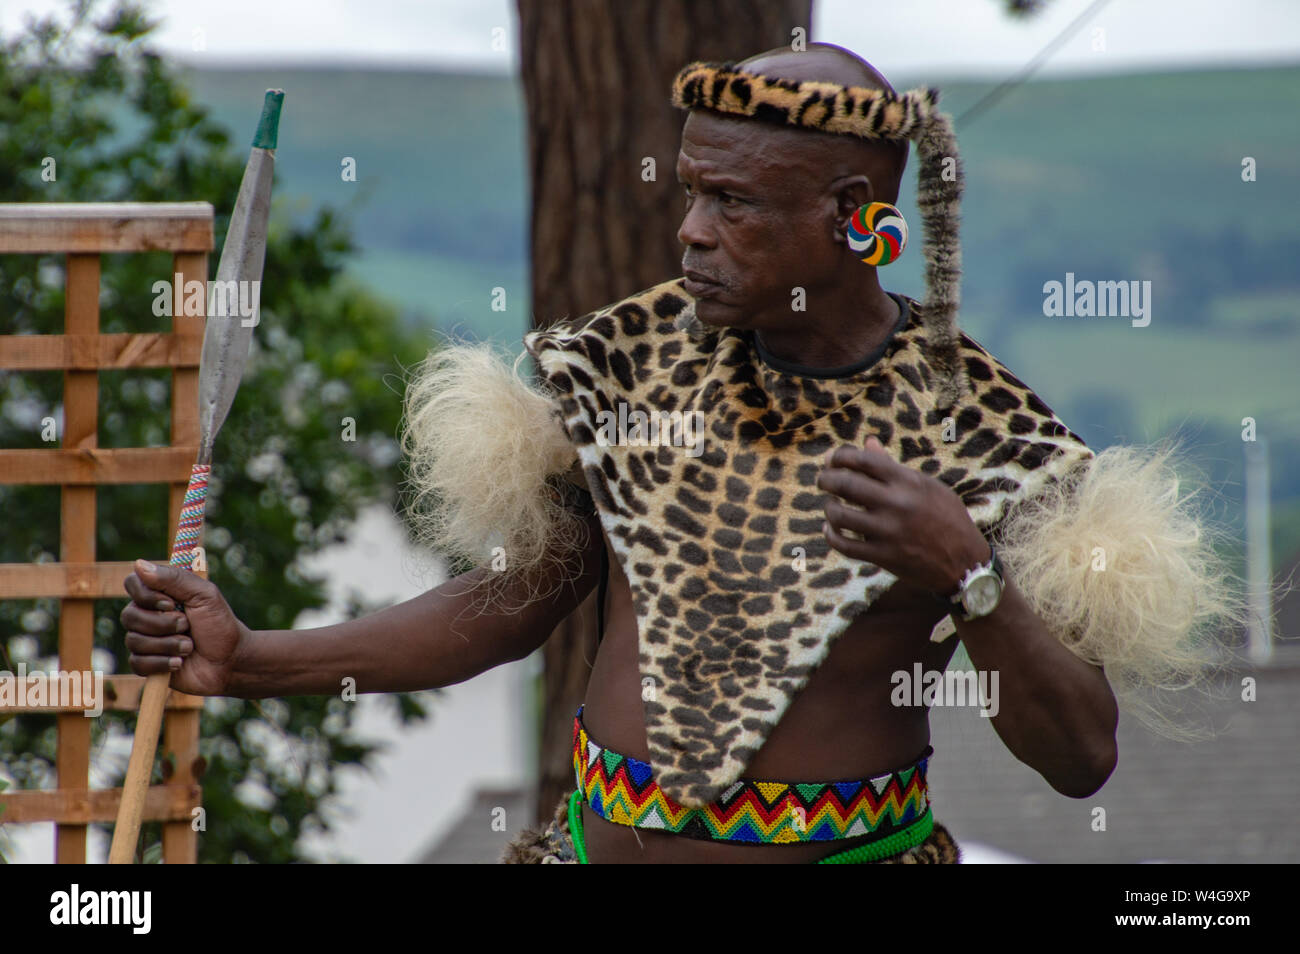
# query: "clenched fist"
179, 622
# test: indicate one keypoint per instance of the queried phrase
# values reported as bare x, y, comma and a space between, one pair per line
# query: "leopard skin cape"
738, 595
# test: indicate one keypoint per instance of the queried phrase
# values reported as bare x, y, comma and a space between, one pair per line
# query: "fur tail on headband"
1118, 562
483, 450
939, 188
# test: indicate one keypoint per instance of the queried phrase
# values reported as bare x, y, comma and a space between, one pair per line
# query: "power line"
1030, 68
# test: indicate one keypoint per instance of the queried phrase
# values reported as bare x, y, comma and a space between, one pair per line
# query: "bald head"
821, 62
836, 155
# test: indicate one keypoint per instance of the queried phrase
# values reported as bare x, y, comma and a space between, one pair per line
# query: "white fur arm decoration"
1118, 563
486, 456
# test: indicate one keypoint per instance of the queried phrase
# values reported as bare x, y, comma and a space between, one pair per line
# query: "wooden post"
77, 544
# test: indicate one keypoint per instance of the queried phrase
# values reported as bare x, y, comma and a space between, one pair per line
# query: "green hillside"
440, 197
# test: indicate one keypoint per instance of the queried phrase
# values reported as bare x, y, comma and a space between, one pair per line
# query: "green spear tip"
268, 126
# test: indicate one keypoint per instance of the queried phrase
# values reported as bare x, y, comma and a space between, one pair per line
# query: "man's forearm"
439, 638
397, 649
1056, 712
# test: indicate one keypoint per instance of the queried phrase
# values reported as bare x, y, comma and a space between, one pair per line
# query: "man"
765, 589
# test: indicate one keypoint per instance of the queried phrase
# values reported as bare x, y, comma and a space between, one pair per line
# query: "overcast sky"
901, 37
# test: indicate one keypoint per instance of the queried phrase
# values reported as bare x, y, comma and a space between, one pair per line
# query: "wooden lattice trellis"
84, 232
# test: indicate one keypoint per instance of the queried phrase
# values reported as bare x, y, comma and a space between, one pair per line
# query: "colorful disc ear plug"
878, 233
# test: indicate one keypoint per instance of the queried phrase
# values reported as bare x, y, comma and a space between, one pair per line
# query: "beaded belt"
895, 807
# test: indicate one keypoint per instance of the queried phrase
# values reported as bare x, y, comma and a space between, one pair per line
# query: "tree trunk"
597, 76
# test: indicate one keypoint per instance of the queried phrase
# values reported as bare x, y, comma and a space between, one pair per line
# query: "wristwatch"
980, 590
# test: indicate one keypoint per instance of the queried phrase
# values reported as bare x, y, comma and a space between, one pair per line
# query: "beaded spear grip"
190, 524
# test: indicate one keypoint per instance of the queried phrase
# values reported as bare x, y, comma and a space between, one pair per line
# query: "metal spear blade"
233, 305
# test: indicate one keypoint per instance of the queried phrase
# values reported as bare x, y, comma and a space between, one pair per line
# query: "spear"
226, 338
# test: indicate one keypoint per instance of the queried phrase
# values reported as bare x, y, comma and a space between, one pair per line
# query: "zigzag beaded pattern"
622, 790
190, 524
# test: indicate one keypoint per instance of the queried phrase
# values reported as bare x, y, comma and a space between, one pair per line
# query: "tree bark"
597, 76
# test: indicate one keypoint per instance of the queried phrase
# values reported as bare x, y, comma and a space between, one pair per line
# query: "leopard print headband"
871, 114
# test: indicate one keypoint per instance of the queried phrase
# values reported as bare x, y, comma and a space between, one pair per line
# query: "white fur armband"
1118, 563
484, 447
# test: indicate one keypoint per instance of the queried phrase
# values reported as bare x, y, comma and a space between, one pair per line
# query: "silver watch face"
982, 594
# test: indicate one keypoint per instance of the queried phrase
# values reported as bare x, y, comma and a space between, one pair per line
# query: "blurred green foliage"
120, 125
